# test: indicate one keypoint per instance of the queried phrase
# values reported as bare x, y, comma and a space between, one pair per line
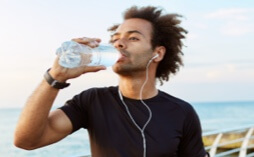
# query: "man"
132, 120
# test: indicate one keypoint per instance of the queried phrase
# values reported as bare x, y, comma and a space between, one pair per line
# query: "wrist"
57, 75
58, 83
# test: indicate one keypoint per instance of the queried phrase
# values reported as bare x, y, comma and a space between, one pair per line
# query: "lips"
122, 57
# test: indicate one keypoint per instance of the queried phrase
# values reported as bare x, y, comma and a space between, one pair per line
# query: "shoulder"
83, 100
98, 91
182, 105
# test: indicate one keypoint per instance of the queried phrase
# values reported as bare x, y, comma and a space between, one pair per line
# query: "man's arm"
38, 127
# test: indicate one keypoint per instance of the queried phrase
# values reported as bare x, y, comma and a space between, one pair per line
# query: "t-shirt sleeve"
191, 144
76, 110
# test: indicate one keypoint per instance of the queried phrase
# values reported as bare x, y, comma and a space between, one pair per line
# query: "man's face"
133, 40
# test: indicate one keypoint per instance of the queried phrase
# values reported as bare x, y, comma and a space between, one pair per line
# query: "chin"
116, 68
126, 69
120, 69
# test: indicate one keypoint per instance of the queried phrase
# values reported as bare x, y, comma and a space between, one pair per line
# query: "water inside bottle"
72, 54
105, 55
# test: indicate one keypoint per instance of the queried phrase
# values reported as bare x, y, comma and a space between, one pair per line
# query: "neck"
131, 87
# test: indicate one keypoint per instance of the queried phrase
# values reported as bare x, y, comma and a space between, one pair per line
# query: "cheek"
141, 52
141, 58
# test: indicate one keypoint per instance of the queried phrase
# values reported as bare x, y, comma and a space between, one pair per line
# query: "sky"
218, 51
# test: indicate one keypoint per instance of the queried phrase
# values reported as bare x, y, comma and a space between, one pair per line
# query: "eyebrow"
129, 32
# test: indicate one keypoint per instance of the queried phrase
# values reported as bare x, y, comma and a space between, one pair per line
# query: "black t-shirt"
174, 130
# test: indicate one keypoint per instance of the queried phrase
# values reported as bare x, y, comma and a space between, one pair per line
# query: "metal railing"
237, 142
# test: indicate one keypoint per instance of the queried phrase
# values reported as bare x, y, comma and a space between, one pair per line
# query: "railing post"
244, 146
213, 150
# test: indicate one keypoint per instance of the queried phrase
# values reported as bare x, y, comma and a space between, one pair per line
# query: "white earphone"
157, 55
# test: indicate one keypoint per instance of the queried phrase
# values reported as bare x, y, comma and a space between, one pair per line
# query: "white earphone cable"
149, 110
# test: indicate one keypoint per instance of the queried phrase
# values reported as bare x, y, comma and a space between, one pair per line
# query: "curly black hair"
166, 32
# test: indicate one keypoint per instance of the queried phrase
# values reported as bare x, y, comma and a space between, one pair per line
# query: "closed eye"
114, 40
133, 38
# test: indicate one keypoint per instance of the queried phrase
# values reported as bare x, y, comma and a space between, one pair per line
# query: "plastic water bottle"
72, 54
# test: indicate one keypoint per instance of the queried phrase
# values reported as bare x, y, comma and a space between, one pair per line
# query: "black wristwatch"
54, 83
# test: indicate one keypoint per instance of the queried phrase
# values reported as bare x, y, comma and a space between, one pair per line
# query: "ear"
160, 51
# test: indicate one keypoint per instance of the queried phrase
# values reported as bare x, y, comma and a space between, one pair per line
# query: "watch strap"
54, 83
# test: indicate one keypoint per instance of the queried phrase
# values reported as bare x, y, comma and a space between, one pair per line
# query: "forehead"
135, 24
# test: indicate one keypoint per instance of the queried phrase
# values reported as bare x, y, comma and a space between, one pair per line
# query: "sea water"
223, 115
213, 115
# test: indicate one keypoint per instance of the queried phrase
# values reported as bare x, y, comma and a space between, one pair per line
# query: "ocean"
213, 116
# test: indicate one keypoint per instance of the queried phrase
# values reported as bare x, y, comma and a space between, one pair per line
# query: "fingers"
64, 74
81, 69
92, 42
93, 68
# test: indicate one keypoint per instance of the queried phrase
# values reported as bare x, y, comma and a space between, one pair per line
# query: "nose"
120, 44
